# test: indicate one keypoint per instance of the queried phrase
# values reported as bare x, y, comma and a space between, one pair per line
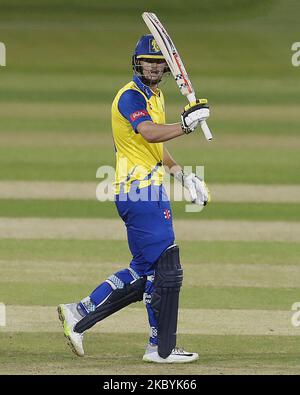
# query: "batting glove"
194, 113
197, 188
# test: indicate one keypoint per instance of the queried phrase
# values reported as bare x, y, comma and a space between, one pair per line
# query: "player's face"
153, 69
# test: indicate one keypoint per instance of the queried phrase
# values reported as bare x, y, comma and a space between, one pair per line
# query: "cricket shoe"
69, 316
178, 355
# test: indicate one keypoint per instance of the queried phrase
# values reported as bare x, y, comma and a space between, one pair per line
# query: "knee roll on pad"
119, 298
165, 298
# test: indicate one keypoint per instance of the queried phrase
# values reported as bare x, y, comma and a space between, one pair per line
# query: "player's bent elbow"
145, 129
151, 138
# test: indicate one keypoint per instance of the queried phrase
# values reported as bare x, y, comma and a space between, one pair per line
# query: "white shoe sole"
61, 317
170, 360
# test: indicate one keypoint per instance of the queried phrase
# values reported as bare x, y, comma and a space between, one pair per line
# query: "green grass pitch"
65, 62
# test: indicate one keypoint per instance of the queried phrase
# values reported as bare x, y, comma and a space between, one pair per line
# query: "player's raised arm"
192, 115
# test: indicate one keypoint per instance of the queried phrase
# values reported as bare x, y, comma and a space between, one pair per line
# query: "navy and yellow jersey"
136, 159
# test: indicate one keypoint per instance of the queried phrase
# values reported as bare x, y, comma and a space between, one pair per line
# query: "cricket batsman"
154, 274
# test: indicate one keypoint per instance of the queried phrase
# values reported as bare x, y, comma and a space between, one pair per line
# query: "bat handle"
206, 131
191, 98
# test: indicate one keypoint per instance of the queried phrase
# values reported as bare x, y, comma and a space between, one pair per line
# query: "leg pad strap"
118, 299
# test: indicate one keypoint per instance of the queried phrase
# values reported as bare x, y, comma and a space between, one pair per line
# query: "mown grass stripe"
113, 229
102, 138
66, 208
226, 252
230, 193
131, 320
254, 165
95, 107
21, 125
211, 275
52, 293
239, 298
54, 110
235, 132
48, 190
259, 90
121, 353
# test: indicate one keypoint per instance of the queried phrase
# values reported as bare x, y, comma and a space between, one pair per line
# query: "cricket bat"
174, 62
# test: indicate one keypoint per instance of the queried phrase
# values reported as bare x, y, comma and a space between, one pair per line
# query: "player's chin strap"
165, 298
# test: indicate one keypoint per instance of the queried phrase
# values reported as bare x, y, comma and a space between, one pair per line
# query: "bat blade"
170, 53
174, 61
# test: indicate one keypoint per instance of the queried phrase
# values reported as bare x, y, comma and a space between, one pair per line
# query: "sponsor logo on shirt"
138, 114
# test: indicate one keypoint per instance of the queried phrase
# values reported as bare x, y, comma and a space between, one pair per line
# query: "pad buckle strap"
134, 274
118, 284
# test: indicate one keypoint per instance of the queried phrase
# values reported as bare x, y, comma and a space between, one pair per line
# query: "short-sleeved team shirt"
137, 159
